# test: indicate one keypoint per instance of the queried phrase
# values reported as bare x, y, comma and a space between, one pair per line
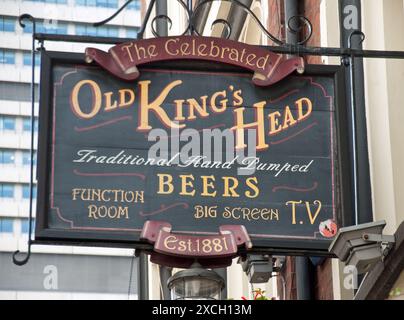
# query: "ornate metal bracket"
296, 24
31, 19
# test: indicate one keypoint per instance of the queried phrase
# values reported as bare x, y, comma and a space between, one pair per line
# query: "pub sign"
141, 133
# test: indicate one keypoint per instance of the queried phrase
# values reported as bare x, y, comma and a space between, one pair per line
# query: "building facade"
53, 272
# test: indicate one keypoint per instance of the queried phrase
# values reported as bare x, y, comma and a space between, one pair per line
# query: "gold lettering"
108, 102
186, 183
274, 122
96, 100
169, 240
195, 106
165, 180
229, 190
126, 97
293, 203
299, 104
258, 125
155, 106
288, 119
253, 184
206, 184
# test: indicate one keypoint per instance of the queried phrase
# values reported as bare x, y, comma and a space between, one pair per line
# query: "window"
17, 91
7, 56
28, 59
50, 1
89, 30
6, 190
135, 5
26, 125
98, 3
7, 157
7, 24
26, 158
132, 32
6, 225
49, 27
7, 123
25, 225
25, 191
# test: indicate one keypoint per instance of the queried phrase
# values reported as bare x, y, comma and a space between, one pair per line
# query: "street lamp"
196, 283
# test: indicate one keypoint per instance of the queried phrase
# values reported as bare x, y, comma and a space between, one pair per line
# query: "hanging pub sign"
196, 146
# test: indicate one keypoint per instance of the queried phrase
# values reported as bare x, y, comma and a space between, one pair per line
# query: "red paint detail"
109, 174
118, 62
314, 187
164, 208
194, 249
295, 135
102, 124
284, 96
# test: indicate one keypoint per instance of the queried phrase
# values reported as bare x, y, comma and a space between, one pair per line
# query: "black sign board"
100, 178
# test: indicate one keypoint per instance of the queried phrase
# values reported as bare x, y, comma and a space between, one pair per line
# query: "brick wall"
276, 21
289, 276
311, 10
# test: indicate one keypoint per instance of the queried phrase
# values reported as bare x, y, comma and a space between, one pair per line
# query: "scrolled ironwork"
303, 24
28, 17
101, 23
356, 33
226, 24
168, 19
296, 24
154, 21
216, 22
245, 8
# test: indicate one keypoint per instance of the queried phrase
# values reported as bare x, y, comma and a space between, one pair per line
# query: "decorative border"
167, 207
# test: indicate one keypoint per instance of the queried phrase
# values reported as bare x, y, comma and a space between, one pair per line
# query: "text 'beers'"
208, 186
188, 109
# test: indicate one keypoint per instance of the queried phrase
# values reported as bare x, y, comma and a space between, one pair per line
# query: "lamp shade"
196, 284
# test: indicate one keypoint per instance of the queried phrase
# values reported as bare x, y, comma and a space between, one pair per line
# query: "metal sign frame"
281, 246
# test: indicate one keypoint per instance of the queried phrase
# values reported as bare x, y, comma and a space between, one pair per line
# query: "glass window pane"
24, 226
7, 191
8, 157
132, 33
26, 158
25, 191
26, 125
102, 3
6, 225
8, 25
8, 123
9, 57
113, 32
62, 29
80, 30
135, 5
27, 59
